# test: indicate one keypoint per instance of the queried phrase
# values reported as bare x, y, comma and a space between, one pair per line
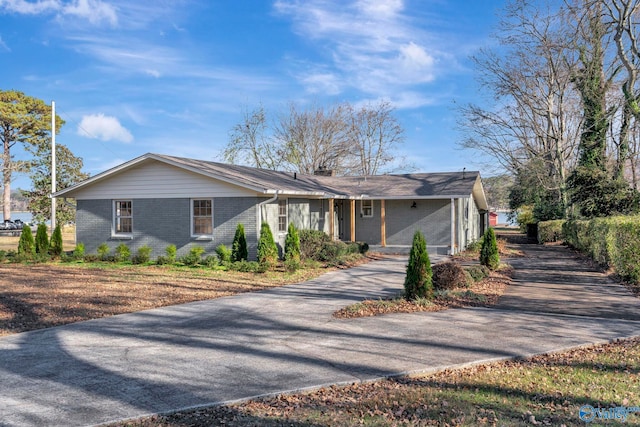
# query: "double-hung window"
202, 217
122, 217
282, 216
367, 208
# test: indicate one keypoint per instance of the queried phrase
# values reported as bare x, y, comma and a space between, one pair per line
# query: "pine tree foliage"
26, 245
55, 246
292, 244
418, 282
42, 239
239, 251
489, 255
267, 249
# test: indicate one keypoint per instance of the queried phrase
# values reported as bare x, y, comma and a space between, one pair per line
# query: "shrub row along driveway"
266, 342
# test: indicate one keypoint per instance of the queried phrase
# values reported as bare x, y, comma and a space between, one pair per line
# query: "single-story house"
158, 200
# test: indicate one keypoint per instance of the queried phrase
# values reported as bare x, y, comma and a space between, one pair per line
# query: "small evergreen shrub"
123, 253
55, 246
418, 281
170, 256
239, 250
78, 251
489, 255
292, 249
26, 244
224, 254
478, 272
194, 257
171, 252
267, 249
450, 275
42, 239
143, 255
247, 267
103, 251
210, 261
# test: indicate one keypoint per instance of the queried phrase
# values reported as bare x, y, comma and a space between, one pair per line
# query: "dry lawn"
44, 295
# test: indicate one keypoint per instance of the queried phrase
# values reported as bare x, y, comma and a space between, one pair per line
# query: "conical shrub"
267, 249
239, 250
489, 255
55, 246
26, 245
418, 281
42, 239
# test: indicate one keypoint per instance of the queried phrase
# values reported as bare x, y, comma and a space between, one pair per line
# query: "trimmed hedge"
611, 242
550, 231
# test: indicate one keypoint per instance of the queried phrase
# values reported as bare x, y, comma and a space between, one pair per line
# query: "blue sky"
173, 76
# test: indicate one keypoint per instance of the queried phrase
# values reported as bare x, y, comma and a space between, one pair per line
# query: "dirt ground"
44, 295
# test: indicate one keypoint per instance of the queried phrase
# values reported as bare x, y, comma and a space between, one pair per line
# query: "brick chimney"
323, 171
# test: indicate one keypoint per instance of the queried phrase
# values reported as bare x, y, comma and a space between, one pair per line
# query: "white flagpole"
53, 164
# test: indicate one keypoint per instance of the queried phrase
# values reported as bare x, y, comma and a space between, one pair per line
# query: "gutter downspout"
259, 216
453, 228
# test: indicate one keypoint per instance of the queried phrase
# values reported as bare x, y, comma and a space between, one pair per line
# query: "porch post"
383, 224
332, 230
352, 217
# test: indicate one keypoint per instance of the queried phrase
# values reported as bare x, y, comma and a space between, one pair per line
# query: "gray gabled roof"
443, 185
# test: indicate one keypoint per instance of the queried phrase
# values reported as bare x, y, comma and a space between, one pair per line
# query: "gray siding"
160, 222
431, 217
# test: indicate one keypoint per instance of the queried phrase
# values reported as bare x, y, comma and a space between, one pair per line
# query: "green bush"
612, 242
474, 246
123, 253
55, 246
239, 250
525, 217
194, 257
171, 251
449, 275
210, 261
311, 243
418, 281
267, 249
489, 255
550, 231
42, 239
143, 255
26, 244
78, 251
478, 272
103, 251
224, 254
247, 267
292, 246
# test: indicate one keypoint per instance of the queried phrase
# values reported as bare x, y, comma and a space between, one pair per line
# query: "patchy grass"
45, 295
483, 293
543, 390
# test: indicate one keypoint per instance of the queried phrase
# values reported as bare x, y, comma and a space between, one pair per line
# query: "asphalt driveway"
279, 340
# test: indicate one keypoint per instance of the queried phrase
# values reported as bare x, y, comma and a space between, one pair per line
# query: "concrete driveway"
268, 342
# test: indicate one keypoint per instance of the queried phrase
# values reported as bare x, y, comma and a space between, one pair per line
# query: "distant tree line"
562, 114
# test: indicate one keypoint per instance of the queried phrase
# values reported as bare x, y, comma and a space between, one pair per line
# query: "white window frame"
363, 207
192, 225
285, 203
116, 218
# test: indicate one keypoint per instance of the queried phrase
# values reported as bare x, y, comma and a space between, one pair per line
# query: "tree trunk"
6, 180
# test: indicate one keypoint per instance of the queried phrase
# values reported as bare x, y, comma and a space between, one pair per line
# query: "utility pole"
53, 165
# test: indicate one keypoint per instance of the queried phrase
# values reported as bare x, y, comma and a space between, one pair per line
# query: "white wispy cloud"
373, 46
93, 11
105, 128
3, 45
